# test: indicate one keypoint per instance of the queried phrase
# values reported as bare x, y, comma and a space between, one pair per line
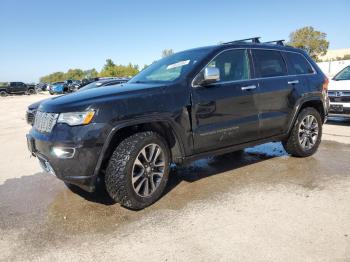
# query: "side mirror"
210, 75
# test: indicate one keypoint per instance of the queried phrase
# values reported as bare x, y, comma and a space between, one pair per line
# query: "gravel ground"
262, 205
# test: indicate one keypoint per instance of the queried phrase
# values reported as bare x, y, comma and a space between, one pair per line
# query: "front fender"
138, 121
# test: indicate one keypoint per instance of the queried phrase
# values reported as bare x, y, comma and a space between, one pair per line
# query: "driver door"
224, 113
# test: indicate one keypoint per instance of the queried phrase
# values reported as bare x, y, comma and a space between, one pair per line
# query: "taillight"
325, 84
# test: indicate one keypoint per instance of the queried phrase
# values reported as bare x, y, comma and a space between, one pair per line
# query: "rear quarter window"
297, 64
269, 63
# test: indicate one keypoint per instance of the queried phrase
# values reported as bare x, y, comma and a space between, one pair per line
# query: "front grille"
339, 96
44, 122
30, 115
339, 99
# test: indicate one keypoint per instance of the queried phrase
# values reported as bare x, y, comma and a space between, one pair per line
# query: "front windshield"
171, 68
91, 85
343, 75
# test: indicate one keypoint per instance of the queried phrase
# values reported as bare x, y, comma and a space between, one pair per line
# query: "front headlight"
76, 118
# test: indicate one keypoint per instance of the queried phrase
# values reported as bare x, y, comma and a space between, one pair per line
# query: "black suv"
196, 103
16, 88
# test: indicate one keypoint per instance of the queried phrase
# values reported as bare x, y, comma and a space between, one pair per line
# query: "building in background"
334, 61
336, 54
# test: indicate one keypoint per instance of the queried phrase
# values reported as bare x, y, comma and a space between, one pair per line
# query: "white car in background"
339, 93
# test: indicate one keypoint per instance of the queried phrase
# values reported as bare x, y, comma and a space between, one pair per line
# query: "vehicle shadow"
208, 167
99, 196
196, 170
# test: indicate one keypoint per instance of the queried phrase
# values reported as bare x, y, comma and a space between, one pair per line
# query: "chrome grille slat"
339, 93
44, 122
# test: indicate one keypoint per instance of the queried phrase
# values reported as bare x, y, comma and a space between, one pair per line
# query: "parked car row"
31, 110
70, 86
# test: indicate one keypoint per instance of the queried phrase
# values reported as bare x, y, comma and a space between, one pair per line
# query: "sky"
38, 37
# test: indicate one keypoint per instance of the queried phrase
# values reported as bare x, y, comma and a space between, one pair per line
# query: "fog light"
63, 152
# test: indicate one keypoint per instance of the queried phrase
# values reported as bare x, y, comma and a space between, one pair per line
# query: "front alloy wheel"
138, 170
148, 170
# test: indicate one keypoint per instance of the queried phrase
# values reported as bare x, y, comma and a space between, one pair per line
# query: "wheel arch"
163, 127
314, 102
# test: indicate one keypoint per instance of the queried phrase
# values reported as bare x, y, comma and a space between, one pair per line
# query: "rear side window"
269, 63
298, 64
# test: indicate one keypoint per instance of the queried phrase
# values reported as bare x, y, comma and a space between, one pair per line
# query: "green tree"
90, 73
312, 41
54, 77
111, 69
167, 52
74, 74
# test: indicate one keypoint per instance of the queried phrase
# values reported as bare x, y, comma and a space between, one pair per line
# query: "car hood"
35, 105
339, 85
80, 101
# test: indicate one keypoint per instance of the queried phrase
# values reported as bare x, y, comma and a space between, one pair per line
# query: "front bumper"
30, 115
80, 168
339, 108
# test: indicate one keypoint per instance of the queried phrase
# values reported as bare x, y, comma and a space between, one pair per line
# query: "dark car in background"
104, 82
16, 88
41, 87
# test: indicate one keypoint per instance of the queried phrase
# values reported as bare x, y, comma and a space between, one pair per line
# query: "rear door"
224, 113
275, 96
299, 70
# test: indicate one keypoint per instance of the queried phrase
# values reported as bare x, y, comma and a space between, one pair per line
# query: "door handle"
293, 82
248, 87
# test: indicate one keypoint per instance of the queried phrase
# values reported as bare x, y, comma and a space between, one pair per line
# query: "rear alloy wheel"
306, 134
138, 170
3, 93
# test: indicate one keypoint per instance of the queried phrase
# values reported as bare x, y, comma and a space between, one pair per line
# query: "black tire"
118, 178
3, 93
31, 91
293, 145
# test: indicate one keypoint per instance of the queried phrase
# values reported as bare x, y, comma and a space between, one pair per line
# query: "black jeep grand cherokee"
195, 103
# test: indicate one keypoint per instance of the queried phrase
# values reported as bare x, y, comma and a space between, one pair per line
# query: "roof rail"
253, 39
277, 42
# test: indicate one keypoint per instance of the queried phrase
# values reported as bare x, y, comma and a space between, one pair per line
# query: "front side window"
298, 64
343, 74
269, 63
233, 65
171, 68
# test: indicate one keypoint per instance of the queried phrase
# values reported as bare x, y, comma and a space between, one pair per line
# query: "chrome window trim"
257, 78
